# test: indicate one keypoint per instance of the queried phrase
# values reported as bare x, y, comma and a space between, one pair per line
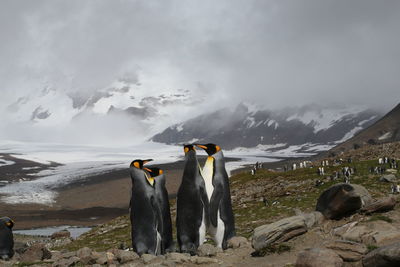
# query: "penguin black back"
163, 200
145, 215
192, 205
6, 238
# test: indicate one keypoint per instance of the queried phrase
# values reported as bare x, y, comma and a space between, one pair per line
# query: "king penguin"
222, 223
145, 213
6, 238
162, 197
192, 205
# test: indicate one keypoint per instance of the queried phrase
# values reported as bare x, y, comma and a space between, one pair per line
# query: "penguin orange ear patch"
186, 149
136, 164
218, 148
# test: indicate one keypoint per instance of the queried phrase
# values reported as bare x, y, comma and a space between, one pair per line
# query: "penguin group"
203, 204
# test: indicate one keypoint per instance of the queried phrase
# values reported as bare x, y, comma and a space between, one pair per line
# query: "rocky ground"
277, 225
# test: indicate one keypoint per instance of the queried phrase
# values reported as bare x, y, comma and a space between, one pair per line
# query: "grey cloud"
276, 53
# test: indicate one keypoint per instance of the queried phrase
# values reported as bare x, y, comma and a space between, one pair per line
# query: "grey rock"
178, 257
207, 250
202, 260
378, 233
102, 260
347, 250
385, 256
56, 255
313, 218
381, 205
278, 232
238, 241
388, 178
318, 257
69, 254
341, 200
85, 255
147, 258
126, 256
66, 262
36, 252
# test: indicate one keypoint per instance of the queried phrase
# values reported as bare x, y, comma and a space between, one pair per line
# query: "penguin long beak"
147, 169
201, 146
147, 161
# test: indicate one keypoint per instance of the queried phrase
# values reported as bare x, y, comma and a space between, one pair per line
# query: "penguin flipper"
159, 222
214, 205
206, 204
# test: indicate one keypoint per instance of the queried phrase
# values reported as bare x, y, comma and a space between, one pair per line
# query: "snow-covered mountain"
125, 110
250, 126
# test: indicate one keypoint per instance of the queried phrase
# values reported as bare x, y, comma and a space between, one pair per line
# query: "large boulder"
388, 178
385, 256
341, 200
317, 257
279, 231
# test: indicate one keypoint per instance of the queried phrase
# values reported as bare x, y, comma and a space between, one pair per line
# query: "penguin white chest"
207, 174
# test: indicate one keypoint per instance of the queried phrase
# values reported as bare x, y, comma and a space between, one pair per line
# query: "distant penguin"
192, 205
163, 200
145, 213
222, 224
6, 238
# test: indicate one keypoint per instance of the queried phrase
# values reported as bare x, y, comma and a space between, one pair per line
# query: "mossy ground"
292, 190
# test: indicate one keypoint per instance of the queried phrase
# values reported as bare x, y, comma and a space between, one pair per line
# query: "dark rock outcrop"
341, 200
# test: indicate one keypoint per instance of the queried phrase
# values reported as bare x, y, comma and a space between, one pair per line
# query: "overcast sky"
275, 53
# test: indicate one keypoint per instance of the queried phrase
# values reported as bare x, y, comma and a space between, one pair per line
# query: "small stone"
238, 241
126, 256
69, 254
388, 178
56, 255
66, 262
102, 260
202, 260
207, 250
85, 254
318, 257
178, 257
61, 234
147, 258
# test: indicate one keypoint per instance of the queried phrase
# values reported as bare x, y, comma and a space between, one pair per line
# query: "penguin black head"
188, 148
7, 222
138, 163
154, 171
211, 149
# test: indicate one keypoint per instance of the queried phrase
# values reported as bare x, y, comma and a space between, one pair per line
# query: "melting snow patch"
385, 136
179, 127
350, 134
4, 162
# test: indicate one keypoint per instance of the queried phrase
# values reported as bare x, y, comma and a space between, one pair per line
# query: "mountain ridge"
249, 127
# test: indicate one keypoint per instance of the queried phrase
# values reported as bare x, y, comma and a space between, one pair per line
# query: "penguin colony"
203, 205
